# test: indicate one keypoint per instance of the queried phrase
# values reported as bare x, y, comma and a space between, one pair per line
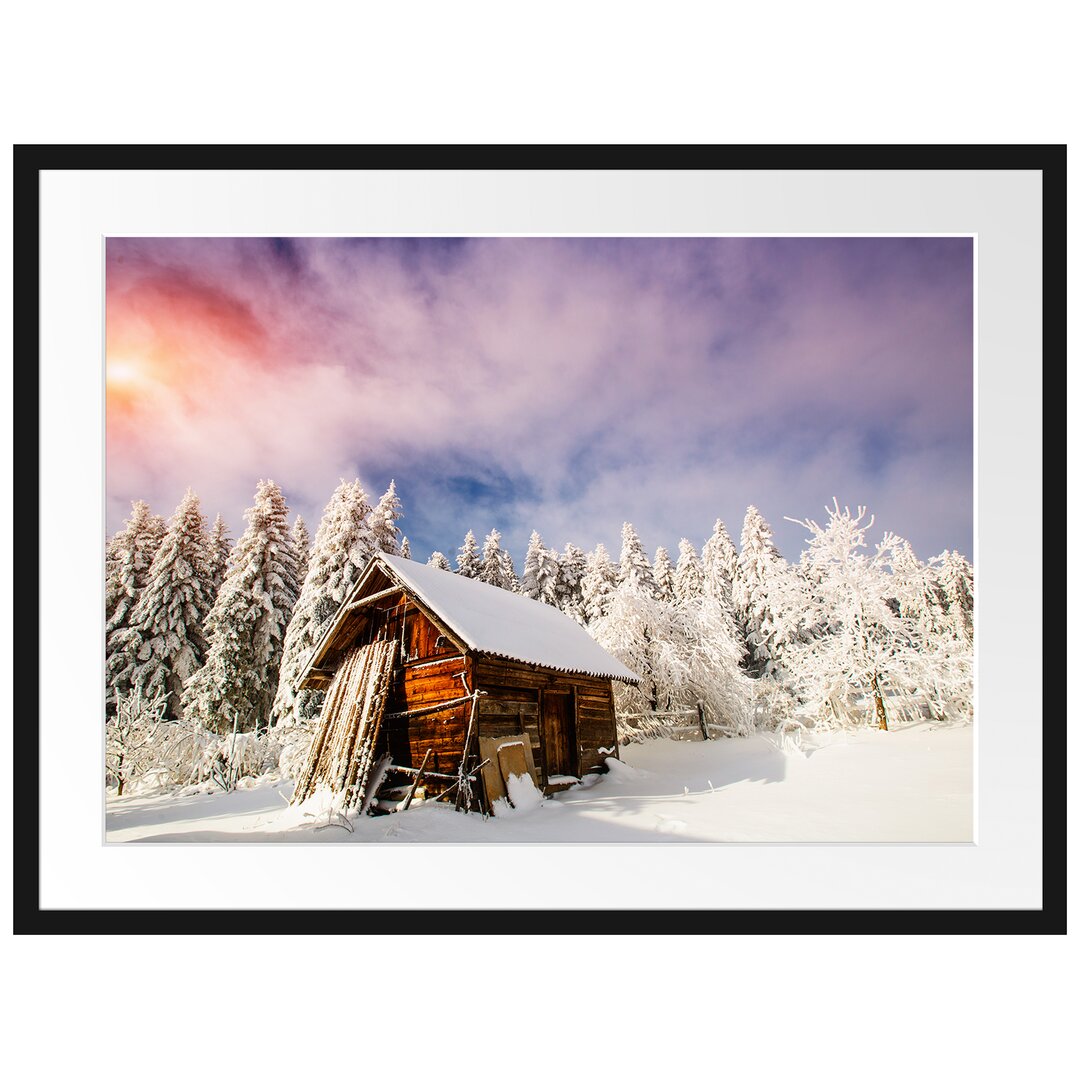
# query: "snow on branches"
865, 654
468, 559
496, 565
246, 626
343, 544
128, 557
163, 646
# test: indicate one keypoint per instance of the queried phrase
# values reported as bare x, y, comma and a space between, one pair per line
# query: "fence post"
701, 721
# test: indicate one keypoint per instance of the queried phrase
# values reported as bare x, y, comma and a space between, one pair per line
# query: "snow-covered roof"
496, 622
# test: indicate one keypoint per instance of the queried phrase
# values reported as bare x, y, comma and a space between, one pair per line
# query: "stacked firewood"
342, 752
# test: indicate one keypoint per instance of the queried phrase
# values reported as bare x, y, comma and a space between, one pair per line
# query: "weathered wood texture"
557, 733
594, 716
565, 719
494, 780
377, 615
425, 686
343, 750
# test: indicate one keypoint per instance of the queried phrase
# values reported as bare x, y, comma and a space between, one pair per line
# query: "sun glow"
124, 373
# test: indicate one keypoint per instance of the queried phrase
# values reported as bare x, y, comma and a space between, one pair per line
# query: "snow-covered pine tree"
634, 567
218, 556
664, 574
760, 582
957, 579
689, 576
496, 564
406, 551
245, 629
128, 556
599, 584
301, 540
547, 576
719, 564
530, 584
343, 545
468, 559
164, 645
572, 567
384, 530
439, 561
540, 575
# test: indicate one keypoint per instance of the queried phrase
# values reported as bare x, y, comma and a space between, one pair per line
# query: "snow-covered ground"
913, 784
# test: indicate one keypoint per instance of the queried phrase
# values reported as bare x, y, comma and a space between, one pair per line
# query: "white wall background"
786, 72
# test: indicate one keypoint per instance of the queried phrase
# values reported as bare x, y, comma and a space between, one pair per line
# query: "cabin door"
557, 734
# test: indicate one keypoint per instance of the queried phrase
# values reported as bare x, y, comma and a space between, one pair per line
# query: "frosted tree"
684, 656
301, 541
234, 689
439, 561
164, 644
572, 568
128, 557
406, 551
599, 584
530, 586
861, 650
384, 518
719, 565
689, 576
719, 559
540, 574
664, 574
343, 545
957, 579
218, 554
132, 741
761, 582
496, 564
915, 589
634, 567
468, 559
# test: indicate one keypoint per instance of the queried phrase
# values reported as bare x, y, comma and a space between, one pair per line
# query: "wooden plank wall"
507, 710
431, 675
507, 680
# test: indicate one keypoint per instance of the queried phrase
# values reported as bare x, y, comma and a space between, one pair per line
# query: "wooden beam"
416, 782
409, 771
356, 604
452, 703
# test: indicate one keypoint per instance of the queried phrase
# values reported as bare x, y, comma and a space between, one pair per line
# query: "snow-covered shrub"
293, 743
229, 759
132, 736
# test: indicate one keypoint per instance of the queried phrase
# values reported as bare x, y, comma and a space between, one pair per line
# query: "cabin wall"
429, 671
515, 697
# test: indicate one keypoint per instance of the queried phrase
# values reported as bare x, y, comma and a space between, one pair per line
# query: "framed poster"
578, 253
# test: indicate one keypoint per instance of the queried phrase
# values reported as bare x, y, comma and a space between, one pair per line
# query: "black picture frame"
31, 160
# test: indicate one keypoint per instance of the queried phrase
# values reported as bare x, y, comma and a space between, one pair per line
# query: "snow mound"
319, 808
622, 773
789, 743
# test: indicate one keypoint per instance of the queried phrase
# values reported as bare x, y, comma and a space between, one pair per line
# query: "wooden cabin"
475, 672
